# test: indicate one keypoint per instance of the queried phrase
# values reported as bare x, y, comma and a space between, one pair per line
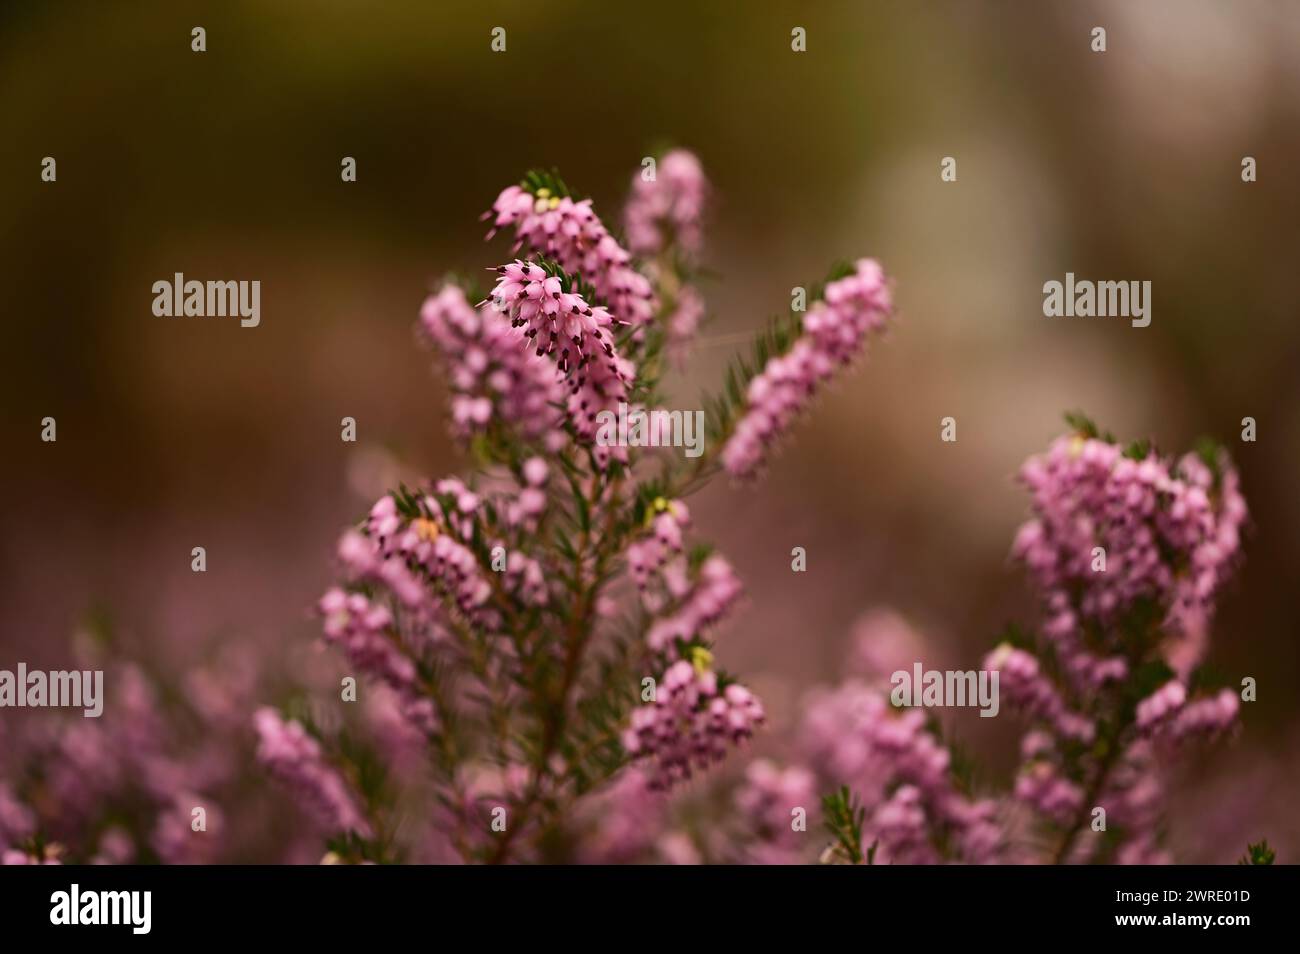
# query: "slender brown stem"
576, 640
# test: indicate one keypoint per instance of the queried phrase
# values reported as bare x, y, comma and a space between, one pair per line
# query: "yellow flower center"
701, 659
425, 528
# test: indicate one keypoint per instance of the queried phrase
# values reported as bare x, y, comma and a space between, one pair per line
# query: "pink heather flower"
1207, 716
101, 783
579, 336
1025, 686
115, 847
690, 724
1167, 713
716, 590
173, 838
900, 826
602, 388
432, 578
1161, 704
364, 631
1040, 786
649, 554
620, 823
768, 799
535, 472
448, 566
1170, 533
17, 821
1133, 797
677, 848
883, 643
524, 577
569, 232
526, 509
853, 736
295, 759
15, 857
834, 332
1168, 537
668, 209
557, 322
493, 373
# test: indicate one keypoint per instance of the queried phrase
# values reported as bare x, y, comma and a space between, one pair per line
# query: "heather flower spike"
832, 333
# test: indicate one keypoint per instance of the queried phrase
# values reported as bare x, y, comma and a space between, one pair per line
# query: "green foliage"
1084, 426
409, 503
1213, 455
1139, 449
843, 817
1209, 451
1258, 853
1016, 635
546, 181
721, 411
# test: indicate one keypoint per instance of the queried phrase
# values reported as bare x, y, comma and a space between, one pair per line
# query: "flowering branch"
542, 622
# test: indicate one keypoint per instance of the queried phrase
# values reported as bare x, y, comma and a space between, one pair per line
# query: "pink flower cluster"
424, 543
883, 642
1163, 531
434, 580
493, 374
1040, 783
1168, 714
690, 724
685, 603
551, 317
578, 335
1134, 798
621, 823
669, 207
173, 836
1026, 687
916, 813
1113, 537
834, 332
366, 634
295, 758
778, 805
711, 595
122, 787
650, 554
573, 235
691, 718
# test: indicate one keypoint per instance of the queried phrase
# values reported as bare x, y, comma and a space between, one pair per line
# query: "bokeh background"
180, 433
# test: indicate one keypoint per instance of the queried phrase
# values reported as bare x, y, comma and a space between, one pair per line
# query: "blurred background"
1123, 165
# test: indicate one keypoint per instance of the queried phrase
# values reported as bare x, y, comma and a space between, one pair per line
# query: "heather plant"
545, 622
161, 777
535, 637
544, 625
1128, 550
